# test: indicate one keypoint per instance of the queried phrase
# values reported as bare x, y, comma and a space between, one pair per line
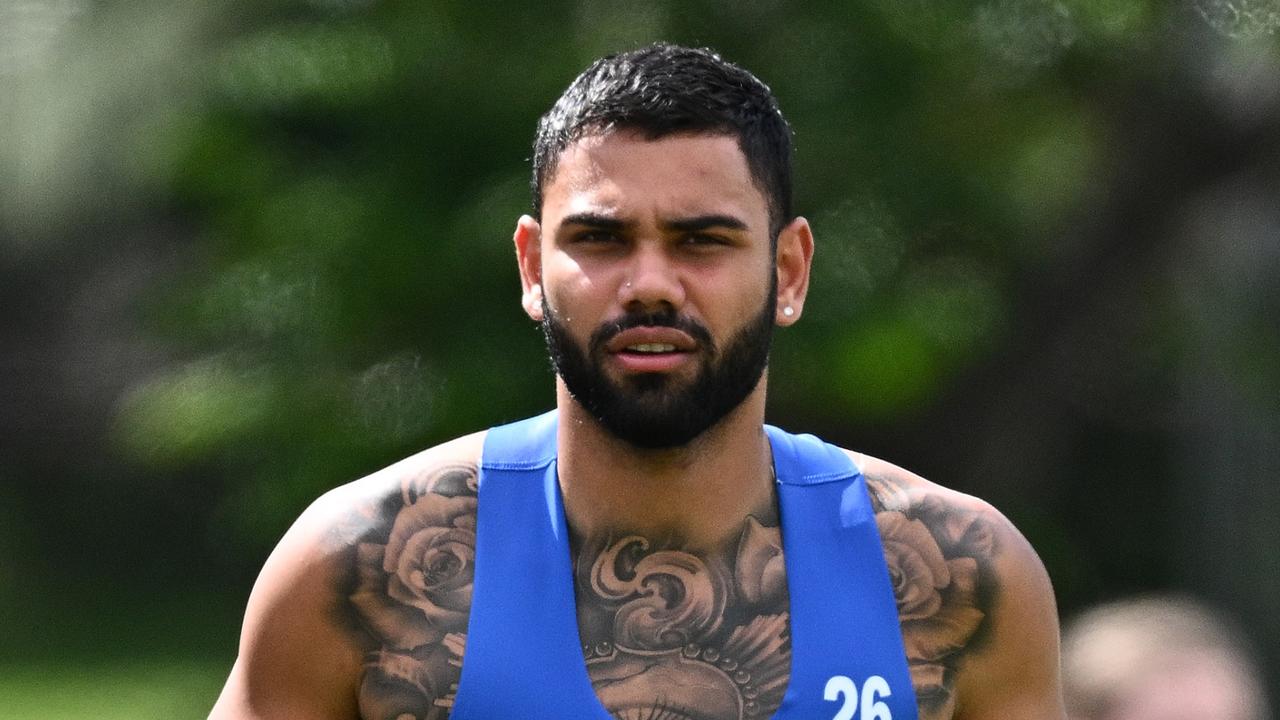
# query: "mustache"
662, 318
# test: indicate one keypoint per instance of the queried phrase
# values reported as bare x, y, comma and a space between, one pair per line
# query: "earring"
788, 311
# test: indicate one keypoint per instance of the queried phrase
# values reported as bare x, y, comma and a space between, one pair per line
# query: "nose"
652, 281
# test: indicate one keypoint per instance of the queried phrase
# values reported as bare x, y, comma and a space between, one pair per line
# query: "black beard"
650, 410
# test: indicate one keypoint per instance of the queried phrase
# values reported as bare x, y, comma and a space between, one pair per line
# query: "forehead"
625, 173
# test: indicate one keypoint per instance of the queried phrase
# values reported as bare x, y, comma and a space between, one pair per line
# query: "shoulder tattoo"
939, 558
411, 594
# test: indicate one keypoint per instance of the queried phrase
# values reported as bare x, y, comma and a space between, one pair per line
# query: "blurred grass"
131, 688
113, 653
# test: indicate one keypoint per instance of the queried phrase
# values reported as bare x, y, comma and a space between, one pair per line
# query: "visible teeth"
652, 348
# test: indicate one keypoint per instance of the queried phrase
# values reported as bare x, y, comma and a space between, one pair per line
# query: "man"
624, 556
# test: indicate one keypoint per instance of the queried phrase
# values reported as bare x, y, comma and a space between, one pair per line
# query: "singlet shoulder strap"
523, 445
807, 460
523, 657
844, 618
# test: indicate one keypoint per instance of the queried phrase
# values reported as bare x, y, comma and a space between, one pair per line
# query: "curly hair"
662, 90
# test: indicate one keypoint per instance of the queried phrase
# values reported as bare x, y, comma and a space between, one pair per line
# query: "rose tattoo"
936, 557
413, 596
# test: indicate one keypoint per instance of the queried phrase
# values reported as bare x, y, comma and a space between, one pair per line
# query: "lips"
650, 349
651, 339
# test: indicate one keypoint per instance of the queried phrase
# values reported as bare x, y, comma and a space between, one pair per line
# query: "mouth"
651, 349
634, 359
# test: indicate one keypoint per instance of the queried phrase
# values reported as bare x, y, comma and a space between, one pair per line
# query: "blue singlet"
523, 655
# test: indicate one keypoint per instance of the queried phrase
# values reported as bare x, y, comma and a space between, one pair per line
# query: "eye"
597, 237
705, 240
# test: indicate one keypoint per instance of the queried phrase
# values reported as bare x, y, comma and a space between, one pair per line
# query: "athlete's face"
654, 279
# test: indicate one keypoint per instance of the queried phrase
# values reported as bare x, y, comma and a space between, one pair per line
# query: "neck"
699, 493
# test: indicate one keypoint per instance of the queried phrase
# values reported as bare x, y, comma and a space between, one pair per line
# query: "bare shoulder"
979, 621
432, 471
329, 595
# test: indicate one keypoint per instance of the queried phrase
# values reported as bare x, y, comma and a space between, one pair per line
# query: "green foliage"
352, 171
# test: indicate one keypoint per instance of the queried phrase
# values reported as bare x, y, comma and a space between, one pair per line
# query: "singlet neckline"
842, 619
774, 435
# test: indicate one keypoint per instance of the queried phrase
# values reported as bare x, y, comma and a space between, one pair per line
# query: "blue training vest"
524, 658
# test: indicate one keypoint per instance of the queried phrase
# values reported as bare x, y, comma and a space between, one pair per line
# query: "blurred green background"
251, 251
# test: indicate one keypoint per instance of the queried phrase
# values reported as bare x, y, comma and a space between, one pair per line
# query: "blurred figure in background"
1158, 658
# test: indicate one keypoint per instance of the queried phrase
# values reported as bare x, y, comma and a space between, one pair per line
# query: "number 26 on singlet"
865, 705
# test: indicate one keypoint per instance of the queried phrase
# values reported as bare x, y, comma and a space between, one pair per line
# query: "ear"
528, 240
795, 256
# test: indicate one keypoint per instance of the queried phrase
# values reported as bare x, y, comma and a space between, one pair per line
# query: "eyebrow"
704, 222
594, 220
689, 224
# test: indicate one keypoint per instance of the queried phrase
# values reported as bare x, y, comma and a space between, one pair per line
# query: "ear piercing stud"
788, 311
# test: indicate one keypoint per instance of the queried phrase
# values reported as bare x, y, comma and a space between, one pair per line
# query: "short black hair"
662, 90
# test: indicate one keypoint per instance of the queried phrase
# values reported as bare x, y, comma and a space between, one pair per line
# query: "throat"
700, 495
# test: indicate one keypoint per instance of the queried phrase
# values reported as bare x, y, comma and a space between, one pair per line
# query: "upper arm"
321, 620
1015, 672
979, 624
296, 659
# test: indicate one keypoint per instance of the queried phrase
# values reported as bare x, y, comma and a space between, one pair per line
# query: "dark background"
251, 251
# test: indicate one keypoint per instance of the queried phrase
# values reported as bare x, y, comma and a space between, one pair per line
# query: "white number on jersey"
866, 706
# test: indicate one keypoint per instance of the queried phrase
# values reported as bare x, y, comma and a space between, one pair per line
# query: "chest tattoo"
667, 633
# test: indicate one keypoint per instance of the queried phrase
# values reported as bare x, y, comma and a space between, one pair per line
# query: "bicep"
296, 657
1017, 673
